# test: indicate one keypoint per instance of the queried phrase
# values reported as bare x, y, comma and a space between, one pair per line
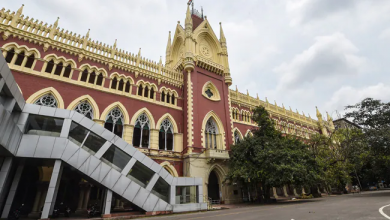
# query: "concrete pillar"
12, 192
86, 196
5, 171
107, 203
52, 190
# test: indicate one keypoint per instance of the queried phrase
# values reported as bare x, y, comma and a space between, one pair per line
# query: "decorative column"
107, 203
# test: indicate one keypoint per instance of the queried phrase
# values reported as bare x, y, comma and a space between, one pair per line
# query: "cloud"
385, 34
330, 56
348, 95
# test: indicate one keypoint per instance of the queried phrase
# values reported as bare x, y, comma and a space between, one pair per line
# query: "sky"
302, 53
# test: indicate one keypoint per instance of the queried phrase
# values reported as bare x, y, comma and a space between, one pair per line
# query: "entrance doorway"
213, 188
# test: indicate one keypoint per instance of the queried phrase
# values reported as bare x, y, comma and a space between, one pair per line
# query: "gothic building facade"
180, 113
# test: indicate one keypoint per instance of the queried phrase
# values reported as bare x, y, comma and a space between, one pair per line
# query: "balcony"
217, 154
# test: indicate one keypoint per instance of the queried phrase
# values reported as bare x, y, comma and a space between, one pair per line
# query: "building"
343, 123
181, 114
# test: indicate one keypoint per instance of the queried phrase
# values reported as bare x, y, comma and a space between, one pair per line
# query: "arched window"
168, 98
120, 86
127, 87
99, 80
84, 76
49, 66
152, 93
20, 59
30, 61
211, 132
58, 69
113, 83
67, 71
173, 99
92, 77
146, 93
237, 137
140, 90
85, 108
47, 100
165, 140
163, 96
115, 121
10, 56
141, 131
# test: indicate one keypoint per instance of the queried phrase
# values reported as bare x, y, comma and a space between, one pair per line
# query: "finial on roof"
160, 62
114, 44
275, 103
87, 35
266, 99
20, 10
247, 92
56, 22
222, 38
236, 88
139, 52
257, 94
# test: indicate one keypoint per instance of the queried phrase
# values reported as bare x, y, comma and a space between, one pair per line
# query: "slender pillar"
5, 171
107, 203
35, 210
86, 196
12, 192
53, 189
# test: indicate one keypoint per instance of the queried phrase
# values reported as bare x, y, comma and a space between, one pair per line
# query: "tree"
374, 118
269, 159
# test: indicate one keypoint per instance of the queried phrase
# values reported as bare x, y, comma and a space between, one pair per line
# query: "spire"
114, 44
188, 23
247, 92
87, 35
139, 52
20, 10
168, 50
257, 94
55, 25
236, 88
222, 38
319, 116
328, 117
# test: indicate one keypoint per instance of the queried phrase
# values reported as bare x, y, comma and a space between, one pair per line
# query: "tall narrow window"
211, 132
92, 77
141, 132
146, 94
237, 138
84, 76
10, 55
30, 61
113, 83
115, 121
20, 59
67, 71
165, 141
120, 86
173, 99
47, 100
152, 93
140, 90
99, 80
49, 66
168, 98
85, 108
58, 69
163, 96
127, 87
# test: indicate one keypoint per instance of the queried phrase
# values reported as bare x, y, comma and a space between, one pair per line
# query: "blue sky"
302, 53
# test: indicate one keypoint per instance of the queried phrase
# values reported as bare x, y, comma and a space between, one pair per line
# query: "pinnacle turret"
168, 50
222, 38
188, 22
55, 25
20, 10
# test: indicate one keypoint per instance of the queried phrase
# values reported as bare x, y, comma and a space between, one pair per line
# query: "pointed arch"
58, 59
169, 116
221, 130
249, 132
239, 133
148, 113
111, 107
171, 169
18, 47
90, 100
221, 173
50, 90
210, 91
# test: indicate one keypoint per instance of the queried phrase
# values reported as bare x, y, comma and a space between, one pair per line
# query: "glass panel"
10, 56
43, 125
120, 86
49, 66
93, 143
161, 139
84, 76
113, 83
127, 88
186, 194
145, 137
58, 69
140, 174
92, 78
77, 133
162, 189
169, 141
20, 59
136, 136
30, 61
118, 130
116, 158
67, 71
99, 80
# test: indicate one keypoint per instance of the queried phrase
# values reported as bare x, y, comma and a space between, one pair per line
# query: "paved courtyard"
363, 206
